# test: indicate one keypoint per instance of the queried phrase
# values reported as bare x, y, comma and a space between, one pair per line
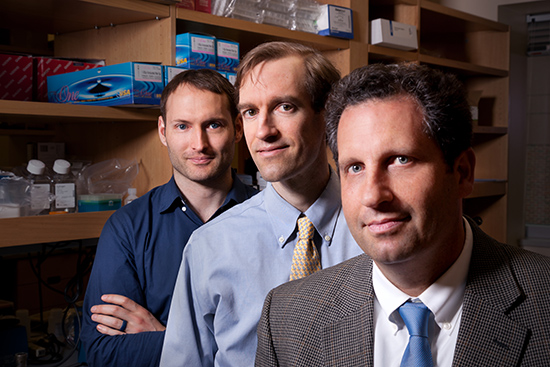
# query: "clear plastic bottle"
132, 195
40, 187
63, 187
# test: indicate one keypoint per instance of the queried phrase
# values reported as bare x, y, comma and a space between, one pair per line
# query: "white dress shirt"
443, 298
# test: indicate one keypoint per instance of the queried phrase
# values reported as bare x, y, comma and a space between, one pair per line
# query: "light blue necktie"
418, 352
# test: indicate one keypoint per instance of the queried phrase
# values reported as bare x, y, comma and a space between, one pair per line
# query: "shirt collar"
172, 198
322, 213
444, 297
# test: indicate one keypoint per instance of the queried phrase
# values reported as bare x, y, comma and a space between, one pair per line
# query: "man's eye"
402, 160
287, 107
214, 125
355, 168
181, 126
249, 113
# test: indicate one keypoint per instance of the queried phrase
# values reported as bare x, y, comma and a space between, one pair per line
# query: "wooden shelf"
488, 188
18, 111
62, 16
381, 52
51, 228
491, 130
462, 67
26, 132
250, 34
458, 21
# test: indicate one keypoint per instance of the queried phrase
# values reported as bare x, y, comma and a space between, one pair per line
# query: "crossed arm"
110, 316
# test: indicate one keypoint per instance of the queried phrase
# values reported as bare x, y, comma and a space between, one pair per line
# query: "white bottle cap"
36, 167
61, 166
132, 191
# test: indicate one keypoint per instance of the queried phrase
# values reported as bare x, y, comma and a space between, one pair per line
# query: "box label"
340, 19
203, 45
148, 73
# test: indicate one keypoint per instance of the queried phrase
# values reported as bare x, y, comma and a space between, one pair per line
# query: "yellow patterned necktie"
306, 258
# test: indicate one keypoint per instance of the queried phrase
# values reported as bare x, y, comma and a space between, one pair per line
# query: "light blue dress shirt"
229, 266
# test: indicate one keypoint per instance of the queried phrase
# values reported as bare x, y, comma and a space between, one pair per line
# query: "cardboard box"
195, 51
46, 66
227, 55
187, 4
99, 202
335, 21
473, 99
231, 77
204, 6
170, 72
15, 77
392, 34
130, 84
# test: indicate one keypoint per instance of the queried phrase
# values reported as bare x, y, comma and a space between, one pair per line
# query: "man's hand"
122, 310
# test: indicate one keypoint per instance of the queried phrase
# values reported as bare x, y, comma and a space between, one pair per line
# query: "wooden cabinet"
133, 30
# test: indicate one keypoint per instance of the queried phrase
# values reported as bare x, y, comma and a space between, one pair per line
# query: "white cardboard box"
335, 21
392, 34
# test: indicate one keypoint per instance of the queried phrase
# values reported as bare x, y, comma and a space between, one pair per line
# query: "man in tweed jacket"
400, 135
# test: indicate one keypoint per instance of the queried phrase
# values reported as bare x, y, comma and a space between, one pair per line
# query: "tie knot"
305, 228
416, 316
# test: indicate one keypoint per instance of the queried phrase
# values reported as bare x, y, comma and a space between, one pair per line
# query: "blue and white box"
227, 55
170, 72
195, 51
232, 77
335, 21
130, 83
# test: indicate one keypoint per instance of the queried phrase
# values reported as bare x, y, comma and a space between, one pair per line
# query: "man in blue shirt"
140, 249
231, 263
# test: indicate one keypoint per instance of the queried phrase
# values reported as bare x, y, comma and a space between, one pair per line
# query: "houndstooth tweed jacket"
326, 319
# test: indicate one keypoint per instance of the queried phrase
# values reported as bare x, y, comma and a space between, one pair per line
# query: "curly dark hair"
440, 96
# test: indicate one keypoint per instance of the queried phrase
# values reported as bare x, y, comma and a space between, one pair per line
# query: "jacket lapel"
486, 333
349, 341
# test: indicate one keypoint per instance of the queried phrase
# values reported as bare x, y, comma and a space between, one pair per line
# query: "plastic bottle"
63, 187
40, 187
131, 195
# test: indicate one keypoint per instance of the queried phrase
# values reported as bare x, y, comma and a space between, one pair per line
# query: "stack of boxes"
23, 77
199, 51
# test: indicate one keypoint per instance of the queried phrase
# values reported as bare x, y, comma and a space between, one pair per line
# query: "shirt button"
183, 208
327, 238
281, 239
394, 327
447, 325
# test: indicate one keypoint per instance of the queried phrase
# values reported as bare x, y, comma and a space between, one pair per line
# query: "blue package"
227, 54
195, 51
129, 83
170, 72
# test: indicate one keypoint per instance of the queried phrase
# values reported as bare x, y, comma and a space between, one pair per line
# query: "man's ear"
162, 130
238, 124
464, 167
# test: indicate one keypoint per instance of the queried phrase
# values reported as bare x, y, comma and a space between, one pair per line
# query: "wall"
537, 198
485, 8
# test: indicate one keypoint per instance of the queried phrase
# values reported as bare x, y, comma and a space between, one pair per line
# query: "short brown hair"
202, 79
320, 73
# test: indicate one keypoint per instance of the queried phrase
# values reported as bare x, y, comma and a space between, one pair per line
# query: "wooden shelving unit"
52, 228
117, 31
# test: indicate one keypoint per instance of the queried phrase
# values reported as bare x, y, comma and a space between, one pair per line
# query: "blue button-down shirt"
138, 256
229, 266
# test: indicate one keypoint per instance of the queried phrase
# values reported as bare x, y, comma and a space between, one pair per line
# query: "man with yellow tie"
293, 227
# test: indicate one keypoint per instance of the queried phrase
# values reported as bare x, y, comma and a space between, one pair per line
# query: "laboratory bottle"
63, 188
40, 186
131, 195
